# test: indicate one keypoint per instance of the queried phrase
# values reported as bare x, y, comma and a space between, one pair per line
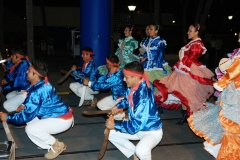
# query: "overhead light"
173, 21
230, 17
131, 8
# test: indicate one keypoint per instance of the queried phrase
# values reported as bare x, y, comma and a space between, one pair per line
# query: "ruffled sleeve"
192, 54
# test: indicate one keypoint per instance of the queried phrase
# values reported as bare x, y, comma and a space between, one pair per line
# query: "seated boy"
15, 82
88, 71
43, 111
114, 81
143, 124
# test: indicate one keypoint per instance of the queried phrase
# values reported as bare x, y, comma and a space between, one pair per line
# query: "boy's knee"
7, 106
71, 85
100, 105
142, 152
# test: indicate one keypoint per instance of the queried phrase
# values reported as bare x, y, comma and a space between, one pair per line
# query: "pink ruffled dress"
190, 83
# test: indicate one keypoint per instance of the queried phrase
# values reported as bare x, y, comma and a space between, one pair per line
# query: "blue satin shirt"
155, 48
17, 79
43, 102
143, 116
112, 81
89, 72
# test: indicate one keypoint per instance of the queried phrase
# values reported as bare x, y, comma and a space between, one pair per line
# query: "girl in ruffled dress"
219, 73
154, 64
126, 47
219, 123
190, 83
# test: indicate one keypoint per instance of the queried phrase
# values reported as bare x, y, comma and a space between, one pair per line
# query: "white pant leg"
148, 140
91, 91
77, 88
14, 100
74, 87
121, 141
11, 94
87, 95
39, 130
107, 103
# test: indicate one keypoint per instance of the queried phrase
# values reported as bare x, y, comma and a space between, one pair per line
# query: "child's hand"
114, 110
20, 108
3, 117
110, 123
85, 81
74, 68
4, 82
142, 59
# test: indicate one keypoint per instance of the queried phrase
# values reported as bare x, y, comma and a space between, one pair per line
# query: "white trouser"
14, 100
39, 130
108, 103
148, 140
77, 88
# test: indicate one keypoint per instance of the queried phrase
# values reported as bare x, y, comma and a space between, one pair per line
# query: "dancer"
114, 81
155, 65
190, 83
15, 82
43, 111
219, 123
143, 124
231, 56
126, 47
88, 71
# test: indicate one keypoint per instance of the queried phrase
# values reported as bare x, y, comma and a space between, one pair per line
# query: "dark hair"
113, 58
41, 67
130, 27
156, 26
197, 27
18, 50
135, 66
88, 49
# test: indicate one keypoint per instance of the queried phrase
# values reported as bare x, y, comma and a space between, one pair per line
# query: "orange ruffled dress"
190, 82
219, 124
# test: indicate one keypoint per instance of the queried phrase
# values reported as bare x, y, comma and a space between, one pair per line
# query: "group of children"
189, 84
32, 100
